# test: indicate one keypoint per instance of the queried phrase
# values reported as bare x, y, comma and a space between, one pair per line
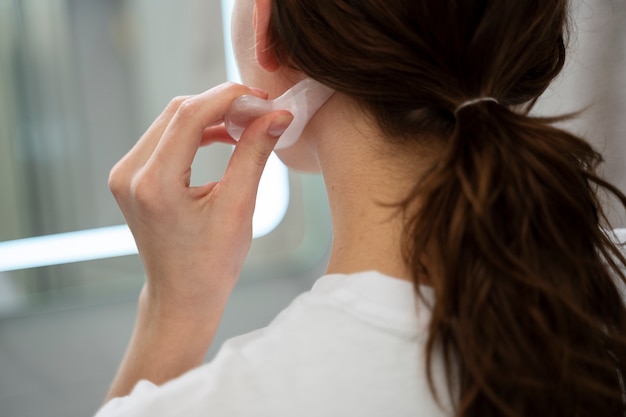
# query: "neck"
364, 188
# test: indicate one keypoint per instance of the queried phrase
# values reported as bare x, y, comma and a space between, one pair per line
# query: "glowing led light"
84, 245
273, 196
231, 65
107, 242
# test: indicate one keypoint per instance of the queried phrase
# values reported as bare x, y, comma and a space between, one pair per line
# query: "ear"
264, 55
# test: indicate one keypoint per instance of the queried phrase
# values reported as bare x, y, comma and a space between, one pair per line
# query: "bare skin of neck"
366, 175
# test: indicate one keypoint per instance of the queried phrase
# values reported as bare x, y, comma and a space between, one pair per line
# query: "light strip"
84, 245
231, 65
273, 196
108, 242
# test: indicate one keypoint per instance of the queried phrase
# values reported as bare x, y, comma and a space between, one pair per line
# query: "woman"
470, 272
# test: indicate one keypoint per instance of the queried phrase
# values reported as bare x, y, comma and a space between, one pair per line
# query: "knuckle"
259, 156
176, 102
188, 108
232, 87
229, 85
233, 90
145, 189
117, 180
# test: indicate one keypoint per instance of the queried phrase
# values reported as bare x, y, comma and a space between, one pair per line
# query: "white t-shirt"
352, 346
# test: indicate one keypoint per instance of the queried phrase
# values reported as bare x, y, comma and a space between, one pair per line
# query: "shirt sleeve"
224, 387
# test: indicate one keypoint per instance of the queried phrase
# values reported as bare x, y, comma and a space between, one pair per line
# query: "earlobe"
263, 50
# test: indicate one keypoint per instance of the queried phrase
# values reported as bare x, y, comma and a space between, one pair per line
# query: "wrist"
169, 339
170, 311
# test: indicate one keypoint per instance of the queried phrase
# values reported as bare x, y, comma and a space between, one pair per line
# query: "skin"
189, 277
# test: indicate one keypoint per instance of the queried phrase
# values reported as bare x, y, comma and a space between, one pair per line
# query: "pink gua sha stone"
303, 100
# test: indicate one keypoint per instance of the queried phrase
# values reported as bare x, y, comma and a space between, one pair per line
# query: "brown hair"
528, 316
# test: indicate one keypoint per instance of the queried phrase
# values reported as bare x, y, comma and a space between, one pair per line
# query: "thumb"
257, 142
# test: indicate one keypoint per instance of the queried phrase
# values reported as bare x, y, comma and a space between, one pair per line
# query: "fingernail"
260, 92
279, 125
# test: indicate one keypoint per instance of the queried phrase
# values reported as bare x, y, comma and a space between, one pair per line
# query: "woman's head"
411, 63
527, 314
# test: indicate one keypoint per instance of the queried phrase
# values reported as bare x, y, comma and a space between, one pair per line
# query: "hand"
193, 240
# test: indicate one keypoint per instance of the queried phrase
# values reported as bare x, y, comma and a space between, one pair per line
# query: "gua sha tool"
303, 100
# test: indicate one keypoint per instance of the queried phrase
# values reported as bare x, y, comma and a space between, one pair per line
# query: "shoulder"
222, 387
325, 354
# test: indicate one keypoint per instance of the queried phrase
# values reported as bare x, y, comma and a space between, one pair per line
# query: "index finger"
246, 165
183, 136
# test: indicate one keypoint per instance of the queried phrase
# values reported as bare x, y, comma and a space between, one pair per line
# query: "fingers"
169, 134
180, 141
216, 134
161, 160
246, 165
145, 146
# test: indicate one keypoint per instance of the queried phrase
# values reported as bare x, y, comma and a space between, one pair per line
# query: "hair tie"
474, 101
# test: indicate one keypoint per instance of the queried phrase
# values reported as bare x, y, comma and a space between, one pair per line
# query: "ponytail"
508, 230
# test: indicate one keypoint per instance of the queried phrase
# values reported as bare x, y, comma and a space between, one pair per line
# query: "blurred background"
80, 80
